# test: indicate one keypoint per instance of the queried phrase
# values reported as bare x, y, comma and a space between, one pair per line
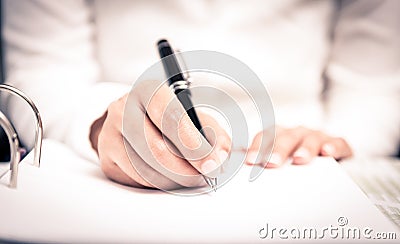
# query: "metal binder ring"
13, 138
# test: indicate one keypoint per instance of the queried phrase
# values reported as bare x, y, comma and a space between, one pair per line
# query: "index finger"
170, 117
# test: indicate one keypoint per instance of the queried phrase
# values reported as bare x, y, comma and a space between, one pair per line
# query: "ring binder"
12, 135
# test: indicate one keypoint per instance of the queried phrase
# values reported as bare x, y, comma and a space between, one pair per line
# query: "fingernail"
275, 160
329, 149
223, 155
209, 166
251, 157
302, 155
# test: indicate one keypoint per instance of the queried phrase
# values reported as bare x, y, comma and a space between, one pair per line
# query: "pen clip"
182, 62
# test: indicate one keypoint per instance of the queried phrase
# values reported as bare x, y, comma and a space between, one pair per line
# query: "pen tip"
214, 184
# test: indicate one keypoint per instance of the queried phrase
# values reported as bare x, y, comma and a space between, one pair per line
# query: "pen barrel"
177, 82
184, 97
181, 88
170, 63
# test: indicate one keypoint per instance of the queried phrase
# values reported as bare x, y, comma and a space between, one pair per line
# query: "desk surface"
379, 179
68, 199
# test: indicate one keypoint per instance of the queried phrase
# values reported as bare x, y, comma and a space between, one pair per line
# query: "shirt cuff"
91, 107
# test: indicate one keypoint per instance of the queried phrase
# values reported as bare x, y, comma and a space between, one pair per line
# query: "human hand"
300, 143
123, 153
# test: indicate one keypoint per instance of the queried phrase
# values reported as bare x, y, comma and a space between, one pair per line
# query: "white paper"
68, 199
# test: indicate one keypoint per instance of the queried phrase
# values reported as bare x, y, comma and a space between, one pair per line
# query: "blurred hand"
301, 144
144, 146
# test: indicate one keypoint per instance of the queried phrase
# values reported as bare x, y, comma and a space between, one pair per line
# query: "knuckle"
115, 110
341, 140
158, 148
279, 149
140, 87
286, 138
157, 110
319, 134
292, 132
314, 136
300, 129
258, 138
279, 129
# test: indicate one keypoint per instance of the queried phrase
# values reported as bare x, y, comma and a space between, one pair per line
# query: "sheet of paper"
68, 199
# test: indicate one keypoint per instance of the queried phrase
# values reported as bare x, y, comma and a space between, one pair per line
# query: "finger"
337, 148
125, 157
162, 156
216, 136
261, 147
153, 176
286, 142
169, 116
253, 151
114, 151
156, 152
178, 127
309, 147
114, 173
134, 166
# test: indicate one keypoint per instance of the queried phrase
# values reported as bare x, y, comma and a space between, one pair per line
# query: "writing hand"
159, 166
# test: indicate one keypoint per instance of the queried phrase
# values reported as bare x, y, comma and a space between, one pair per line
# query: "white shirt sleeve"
50, 55
363, 93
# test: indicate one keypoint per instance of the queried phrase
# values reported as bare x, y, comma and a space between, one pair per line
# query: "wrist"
95, 129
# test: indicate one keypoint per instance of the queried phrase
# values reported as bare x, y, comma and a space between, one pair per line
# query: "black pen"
180, 86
